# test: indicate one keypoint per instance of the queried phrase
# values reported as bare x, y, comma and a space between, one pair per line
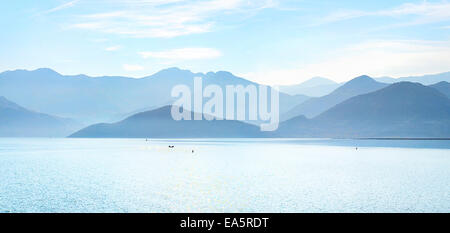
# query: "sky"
275, 42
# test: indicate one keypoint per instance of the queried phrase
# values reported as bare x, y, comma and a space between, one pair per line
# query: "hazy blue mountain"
79, 97
315, 106
102, 99
424, 79
388, 80
443, 87
317, 81
223, 78
402, 109
159, 124
16, 121
123, 116
314, 87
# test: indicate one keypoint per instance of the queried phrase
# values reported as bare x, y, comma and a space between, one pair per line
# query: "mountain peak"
46, 71
173, 69
361, 84
224, 74
317, 81
173, 72
410, 89
362, 78
406, 84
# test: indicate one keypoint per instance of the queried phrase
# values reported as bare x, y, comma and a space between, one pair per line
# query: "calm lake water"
251, 175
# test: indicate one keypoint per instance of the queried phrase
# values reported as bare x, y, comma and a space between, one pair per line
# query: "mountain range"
315, 106
402, 109
319, 86
159, 124
104, 99
314, 87
44, 103
424, 79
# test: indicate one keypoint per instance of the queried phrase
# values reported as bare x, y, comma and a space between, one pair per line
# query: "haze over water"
249, 175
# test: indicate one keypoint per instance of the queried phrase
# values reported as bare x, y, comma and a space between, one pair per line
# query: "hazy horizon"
205, 72
294, 40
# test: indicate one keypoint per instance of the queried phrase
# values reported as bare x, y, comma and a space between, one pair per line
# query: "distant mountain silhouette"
315, 106
317, 81
386, 79
361, 107
443, 87
159, 124
102, 99
314, 87
16, 121
402, 109
424, 79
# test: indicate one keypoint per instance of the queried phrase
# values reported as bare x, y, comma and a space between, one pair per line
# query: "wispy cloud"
397, 58
157, 18
424, 12
184, 54
91, 25
61, 7
113, 48
99, 40
129, 67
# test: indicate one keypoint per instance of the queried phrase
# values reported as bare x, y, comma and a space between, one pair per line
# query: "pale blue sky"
269, 41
